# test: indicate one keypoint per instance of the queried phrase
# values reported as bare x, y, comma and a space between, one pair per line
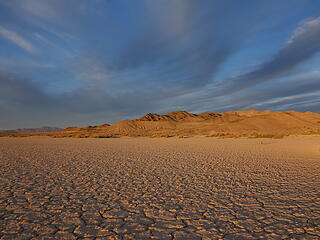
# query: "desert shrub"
266, 135
80, 136
99, 135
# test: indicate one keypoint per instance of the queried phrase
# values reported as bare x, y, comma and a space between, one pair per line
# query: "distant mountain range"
32, 130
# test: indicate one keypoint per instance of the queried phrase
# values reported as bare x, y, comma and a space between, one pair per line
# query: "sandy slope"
144, 188
236, 124
249, 123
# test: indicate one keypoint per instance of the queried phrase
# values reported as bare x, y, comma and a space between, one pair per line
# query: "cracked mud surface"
141, 188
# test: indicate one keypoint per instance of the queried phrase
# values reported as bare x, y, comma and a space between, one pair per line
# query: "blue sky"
79, 62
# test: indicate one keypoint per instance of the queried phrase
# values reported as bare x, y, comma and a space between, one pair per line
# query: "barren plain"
159, 188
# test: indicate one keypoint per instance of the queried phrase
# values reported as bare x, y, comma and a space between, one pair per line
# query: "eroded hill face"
251, 123
179, 116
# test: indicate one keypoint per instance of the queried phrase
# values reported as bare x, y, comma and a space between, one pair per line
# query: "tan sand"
251, 123
232, 124
153, 188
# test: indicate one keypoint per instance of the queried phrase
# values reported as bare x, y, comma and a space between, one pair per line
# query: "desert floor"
145, 188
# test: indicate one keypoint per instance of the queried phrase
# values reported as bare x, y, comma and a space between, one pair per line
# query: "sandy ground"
143, 188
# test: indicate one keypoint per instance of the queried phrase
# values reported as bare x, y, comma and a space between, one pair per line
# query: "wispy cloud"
259, 96
26, 63
49, 43
18, 40
91, 72
302, 46
49, 10
183, 45
283, 102
44, 12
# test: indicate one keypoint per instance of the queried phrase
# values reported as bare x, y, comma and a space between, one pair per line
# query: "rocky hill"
251, 123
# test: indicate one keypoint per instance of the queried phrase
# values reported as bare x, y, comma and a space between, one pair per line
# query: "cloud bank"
113, 60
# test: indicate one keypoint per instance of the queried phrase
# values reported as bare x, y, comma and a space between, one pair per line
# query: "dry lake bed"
145, 188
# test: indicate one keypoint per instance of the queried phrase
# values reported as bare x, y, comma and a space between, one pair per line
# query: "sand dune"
250, 123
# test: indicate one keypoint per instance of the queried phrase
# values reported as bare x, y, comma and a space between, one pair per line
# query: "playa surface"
170, 188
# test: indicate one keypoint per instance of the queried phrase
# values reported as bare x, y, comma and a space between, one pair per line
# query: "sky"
78, 62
